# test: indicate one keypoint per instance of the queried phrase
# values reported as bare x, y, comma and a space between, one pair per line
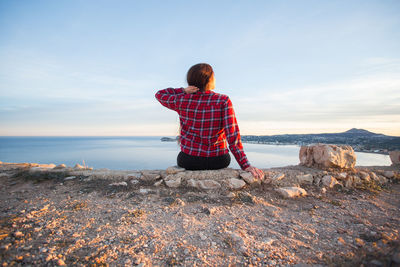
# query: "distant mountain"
359, 139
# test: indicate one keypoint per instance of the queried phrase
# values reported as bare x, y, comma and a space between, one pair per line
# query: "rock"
234, 183
249, 178
373, 176
323, 190
364, 176
18, 234
388, 174
173, 180
349, 181
277, 177
382, 179
60, 166
204, 184
202, 236
60, 262
396, 258
357, 180
329, 181
327, 156
342, 176
269, 241
395, 157
216, 175
69, 178
150, 176
305, 179
233, 239
134, 175
291, 192
134, 182
359, 242
119, 184
174, 170
144, 190
158, 183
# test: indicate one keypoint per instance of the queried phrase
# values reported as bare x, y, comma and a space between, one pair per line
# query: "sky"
92, 68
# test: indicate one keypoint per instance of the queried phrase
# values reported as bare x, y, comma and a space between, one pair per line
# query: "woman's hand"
191, 89
257, 173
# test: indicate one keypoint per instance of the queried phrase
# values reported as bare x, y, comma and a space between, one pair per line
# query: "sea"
135, 153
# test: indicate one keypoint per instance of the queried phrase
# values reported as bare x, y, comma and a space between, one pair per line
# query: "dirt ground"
46, 220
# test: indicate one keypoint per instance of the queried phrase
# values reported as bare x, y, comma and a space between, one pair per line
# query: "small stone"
341, 240
69, 178
173, 181
342, 176
373, 176
388, 174
134, 182
18, 234
260, 255
158, 183
269, 241
144, 190
202, 236
249, 178
234, 183
150, 176
359, 242
291, 192
329, 181
305, 179
179, 202
364, 176
119, 184
60, 262
134, 175
174, 170
277, 177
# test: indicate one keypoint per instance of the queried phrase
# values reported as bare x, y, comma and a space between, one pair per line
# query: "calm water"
120, 153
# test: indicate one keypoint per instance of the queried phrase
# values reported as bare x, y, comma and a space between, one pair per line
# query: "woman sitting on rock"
207, 121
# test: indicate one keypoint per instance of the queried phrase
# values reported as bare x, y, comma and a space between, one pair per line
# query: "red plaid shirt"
207, 121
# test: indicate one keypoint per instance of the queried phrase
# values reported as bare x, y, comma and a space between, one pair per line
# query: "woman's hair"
200, 76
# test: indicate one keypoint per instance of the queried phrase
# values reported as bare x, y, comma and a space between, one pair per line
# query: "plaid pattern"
207, 121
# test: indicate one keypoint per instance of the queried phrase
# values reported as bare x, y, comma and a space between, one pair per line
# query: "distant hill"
359, 139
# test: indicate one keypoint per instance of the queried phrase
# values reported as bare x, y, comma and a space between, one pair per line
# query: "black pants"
203, 163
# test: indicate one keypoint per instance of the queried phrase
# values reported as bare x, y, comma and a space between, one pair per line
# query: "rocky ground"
65, 218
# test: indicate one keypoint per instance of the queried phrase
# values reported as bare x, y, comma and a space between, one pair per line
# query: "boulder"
60, 166
291, 192
395, 157
327, 156
364, 176
234, 183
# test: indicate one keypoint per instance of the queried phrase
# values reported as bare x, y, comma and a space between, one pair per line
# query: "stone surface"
173, 180
364, 176
150, 176
69, 178
174, 170
389, 174
204, 184
305, 179
134, 175
395, 157
277, 177
291, 192
327, 156
329, 181
249, 178
119, 184
234, 183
